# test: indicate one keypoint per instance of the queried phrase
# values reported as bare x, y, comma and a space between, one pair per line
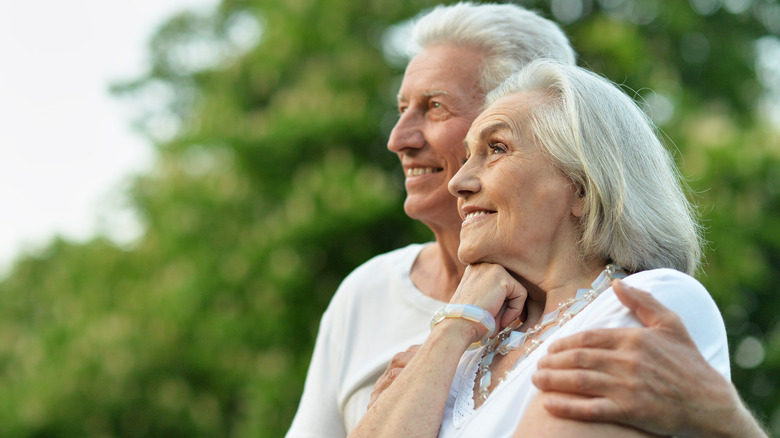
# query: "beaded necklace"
509, 339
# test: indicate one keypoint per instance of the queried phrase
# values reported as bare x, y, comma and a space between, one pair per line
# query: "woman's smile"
473, 214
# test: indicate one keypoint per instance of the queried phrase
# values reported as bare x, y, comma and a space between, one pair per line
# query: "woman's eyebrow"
486, 132
492, 128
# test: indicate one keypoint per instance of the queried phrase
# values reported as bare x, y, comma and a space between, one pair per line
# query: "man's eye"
402, 109
435, 104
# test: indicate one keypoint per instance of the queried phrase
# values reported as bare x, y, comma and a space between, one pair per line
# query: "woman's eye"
496, 148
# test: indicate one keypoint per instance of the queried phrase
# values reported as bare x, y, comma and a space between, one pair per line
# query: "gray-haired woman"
566, 187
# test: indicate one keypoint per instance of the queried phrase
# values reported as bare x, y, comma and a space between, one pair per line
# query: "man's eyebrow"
435, 92
428, 93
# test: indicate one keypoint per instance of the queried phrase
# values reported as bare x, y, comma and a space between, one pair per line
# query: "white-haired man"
385, 305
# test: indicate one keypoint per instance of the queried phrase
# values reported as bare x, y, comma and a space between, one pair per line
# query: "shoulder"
380, 274
379, 268
686, 297
676, 290
664, 276
366, 287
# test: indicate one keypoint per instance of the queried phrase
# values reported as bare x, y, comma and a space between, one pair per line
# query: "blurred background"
186, 301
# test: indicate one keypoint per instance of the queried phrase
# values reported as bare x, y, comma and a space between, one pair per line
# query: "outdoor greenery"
272, 182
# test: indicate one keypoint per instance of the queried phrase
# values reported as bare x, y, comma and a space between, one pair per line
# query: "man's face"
439, 98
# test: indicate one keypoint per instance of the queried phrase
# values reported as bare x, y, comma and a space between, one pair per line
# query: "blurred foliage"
272, 182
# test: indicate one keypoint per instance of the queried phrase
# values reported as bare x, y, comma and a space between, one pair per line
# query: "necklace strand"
509, 339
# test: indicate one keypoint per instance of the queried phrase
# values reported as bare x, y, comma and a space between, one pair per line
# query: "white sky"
65, 143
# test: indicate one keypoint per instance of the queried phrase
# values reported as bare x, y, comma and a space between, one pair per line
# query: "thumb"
647, 309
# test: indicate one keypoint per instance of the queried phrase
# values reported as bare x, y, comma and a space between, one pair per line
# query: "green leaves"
272, 182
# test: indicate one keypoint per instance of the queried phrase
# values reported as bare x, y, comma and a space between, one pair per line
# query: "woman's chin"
469, 256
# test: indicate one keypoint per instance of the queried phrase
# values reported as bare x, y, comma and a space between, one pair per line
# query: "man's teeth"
416, 171
475, 214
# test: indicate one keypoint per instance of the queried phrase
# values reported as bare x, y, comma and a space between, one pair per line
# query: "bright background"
66, 144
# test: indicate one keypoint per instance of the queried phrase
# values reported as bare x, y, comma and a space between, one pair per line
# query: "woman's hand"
492, 288
410, 399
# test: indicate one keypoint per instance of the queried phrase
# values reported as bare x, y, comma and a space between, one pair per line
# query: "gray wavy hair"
636, 213
510, 35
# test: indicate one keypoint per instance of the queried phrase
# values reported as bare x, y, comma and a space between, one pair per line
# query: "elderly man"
386, 304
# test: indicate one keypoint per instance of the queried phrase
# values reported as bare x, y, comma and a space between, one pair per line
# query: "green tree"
272, 182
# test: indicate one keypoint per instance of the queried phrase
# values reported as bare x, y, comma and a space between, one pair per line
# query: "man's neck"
437, 271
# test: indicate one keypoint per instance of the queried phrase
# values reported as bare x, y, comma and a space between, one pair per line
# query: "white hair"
635, 211
510, 35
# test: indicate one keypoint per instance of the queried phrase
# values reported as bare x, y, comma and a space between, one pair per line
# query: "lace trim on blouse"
464, 402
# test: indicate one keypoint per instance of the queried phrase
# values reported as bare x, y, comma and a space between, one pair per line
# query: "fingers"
401, 360
579, 381
597, 338
397, 364
647, 309
492, 287
383, 383
516, 295
580, 358
582, 408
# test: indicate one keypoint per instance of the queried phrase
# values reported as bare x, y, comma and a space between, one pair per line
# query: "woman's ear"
578, 201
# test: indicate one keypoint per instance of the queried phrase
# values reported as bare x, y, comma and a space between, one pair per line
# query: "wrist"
730, 419
481, 321
459, 334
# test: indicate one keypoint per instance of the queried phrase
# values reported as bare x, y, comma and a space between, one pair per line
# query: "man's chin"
432, 209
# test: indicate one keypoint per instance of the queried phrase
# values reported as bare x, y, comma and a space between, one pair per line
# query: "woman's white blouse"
501, 413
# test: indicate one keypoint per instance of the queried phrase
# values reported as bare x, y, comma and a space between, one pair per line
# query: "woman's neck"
556, 287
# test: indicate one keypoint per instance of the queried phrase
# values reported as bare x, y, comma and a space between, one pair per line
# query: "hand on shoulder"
651, 378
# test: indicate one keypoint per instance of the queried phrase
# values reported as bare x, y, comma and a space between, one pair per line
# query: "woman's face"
515, 204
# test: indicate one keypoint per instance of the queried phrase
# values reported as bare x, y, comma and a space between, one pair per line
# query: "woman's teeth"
475, 214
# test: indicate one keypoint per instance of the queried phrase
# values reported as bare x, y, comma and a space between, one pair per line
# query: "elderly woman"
566, 188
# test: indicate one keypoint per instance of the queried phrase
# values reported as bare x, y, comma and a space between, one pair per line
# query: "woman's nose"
465, 182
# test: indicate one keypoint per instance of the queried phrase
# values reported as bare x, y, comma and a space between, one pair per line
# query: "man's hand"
652, 378
394, 369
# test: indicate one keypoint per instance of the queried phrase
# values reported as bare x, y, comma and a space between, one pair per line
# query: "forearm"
414, 403
537, 421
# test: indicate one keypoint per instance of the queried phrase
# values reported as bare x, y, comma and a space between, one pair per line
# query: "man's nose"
407, 134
